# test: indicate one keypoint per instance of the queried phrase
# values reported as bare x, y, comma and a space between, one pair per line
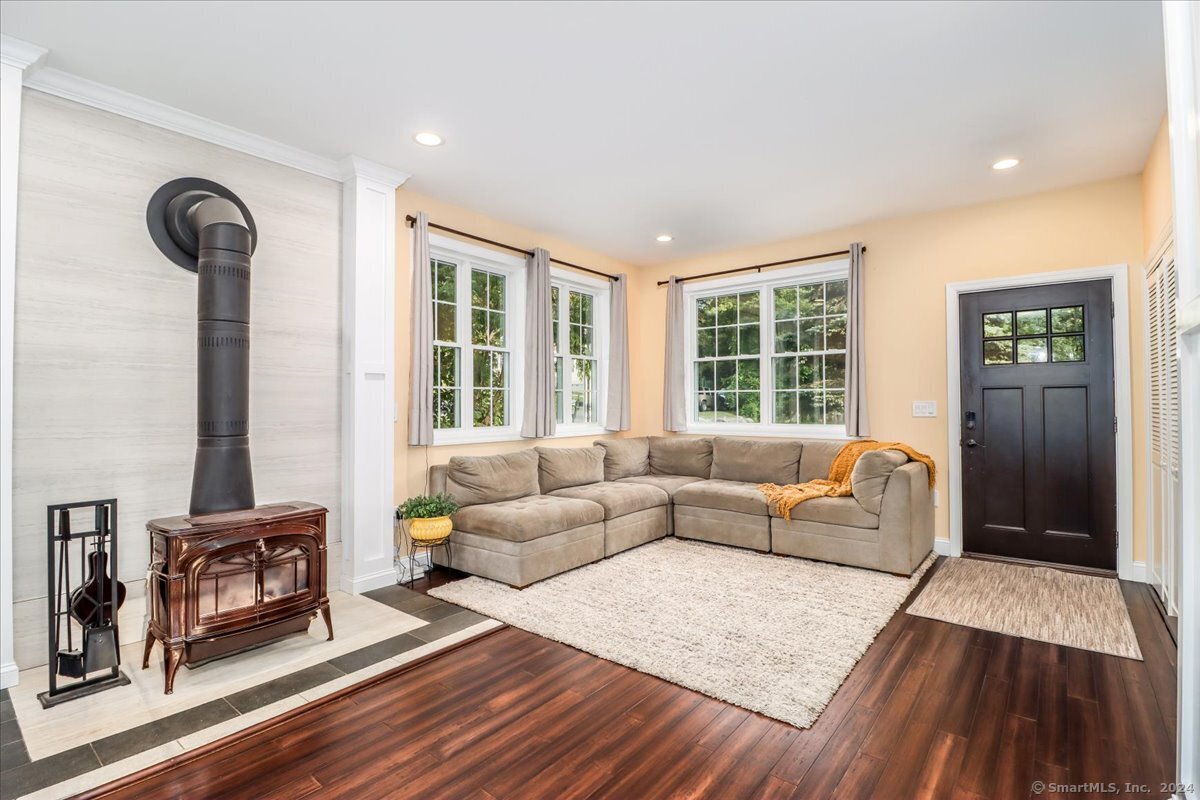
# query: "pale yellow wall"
1157, 201
412, 463
909, 261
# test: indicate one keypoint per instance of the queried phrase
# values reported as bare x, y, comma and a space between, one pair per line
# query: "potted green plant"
428, 516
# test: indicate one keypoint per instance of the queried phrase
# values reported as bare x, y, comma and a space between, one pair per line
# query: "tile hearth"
46, 753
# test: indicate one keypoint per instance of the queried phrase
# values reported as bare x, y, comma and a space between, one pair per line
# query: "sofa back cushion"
681, 455
560, 467
472, 480
817, 457
756, 461
870, 476
625, 458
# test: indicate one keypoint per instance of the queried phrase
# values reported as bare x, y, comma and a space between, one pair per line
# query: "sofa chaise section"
886, 525
505, 529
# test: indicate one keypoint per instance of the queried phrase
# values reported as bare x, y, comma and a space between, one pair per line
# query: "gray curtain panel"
674, 397
617, 411
538, 418
857, 423
420, 372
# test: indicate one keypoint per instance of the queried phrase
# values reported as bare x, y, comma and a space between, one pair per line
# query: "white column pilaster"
1181, 31
369, 366
17, 58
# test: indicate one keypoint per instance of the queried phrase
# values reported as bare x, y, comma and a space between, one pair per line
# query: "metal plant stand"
406, 556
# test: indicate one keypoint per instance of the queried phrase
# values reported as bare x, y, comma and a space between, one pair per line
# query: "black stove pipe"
222, 479
205, 228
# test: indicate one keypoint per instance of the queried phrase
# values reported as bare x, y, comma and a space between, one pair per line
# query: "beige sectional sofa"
528, 515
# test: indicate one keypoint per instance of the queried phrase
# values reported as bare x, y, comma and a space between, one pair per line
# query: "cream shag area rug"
1049, 605
772, 634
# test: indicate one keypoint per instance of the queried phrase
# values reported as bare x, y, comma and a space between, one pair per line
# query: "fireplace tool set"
95, 662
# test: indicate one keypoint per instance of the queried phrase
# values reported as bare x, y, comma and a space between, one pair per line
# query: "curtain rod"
411, 219
761, 267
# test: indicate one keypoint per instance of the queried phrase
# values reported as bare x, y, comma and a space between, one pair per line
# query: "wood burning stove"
221, 583
229, 575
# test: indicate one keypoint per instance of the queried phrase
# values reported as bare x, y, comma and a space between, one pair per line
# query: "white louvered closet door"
1162, 561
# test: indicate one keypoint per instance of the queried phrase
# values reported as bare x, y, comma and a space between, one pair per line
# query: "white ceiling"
724, 123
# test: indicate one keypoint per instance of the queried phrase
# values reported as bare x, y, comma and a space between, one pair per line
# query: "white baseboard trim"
9, 675
365, 583
1136, 571
419, 564
941, 547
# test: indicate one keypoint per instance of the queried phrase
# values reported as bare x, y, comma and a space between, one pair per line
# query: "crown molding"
20, 54
358, 167
106, 98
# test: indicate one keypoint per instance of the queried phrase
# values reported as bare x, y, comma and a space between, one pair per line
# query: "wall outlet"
935, 498
924, 408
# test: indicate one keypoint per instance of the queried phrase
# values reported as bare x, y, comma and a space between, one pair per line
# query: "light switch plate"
924, 408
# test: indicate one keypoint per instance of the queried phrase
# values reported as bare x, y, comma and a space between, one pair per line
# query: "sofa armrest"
906, 518
437, 478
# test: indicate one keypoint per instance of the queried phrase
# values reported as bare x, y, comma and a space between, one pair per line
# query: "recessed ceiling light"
664, 237
429, 139
1006, 163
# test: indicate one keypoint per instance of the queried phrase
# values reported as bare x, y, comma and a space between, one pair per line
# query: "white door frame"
1118, 275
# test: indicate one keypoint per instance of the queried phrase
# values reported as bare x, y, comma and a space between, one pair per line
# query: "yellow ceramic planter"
430, 529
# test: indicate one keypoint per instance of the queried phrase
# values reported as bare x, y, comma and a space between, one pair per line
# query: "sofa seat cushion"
668, 483
617, 498
744, 498
527, 518
844, 511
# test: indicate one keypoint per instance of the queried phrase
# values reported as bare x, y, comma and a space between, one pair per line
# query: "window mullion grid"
467, 360
766, 349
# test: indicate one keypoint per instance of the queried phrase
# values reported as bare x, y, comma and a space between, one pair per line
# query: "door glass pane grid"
1033, 336
727, 368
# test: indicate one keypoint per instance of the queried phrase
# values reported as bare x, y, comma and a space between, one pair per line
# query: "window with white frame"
769, 354
580, 318
478, 324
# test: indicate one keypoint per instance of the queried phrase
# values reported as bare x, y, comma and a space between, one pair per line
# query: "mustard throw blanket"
785, 498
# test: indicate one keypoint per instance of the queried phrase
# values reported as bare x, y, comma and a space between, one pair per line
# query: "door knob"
972, 443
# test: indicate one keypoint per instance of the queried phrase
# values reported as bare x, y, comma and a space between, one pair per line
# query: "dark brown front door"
1038, 427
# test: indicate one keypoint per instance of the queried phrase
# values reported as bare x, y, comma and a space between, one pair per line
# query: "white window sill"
782, 431
575, 431
477, 436
443, 438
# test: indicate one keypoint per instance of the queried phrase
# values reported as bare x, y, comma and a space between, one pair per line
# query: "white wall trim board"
1137, 572
367, 583
1181, 31
942, 547
1118, 275
21, 54
16, 58
368, 363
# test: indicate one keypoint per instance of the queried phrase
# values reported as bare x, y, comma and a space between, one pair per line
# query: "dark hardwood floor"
932, 710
